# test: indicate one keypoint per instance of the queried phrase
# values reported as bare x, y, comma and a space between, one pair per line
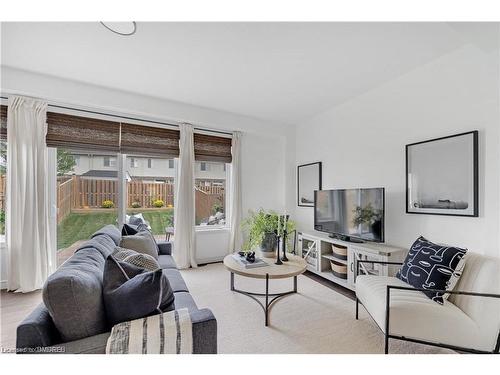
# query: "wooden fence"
82, 193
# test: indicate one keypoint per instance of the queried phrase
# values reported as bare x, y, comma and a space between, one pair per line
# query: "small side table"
291, 269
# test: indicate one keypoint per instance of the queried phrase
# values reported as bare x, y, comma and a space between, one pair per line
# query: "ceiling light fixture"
121, 28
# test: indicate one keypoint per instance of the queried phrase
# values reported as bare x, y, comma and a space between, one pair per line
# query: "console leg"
295, 284
232, 281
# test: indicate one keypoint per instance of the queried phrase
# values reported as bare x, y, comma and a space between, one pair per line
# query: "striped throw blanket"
167, 333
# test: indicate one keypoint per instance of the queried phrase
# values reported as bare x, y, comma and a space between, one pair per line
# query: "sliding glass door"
87, 196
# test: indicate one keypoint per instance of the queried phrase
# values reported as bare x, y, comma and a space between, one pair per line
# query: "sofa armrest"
36, 330
164, 248
358, 261
204, 332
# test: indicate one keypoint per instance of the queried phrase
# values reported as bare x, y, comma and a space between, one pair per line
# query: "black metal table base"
270, 298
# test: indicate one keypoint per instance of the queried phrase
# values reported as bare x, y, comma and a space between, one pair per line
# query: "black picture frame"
474, 212
319, 167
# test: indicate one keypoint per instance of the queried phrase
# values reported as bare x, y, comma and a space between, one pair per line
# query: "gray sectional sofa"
72, 318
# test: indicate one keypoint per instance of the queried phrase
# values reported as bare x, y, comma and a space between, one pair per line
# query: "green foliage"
107, 204
65, 162
2, 222
136, 205
365, 215
158, 203
3, 157
217, 207
257, 224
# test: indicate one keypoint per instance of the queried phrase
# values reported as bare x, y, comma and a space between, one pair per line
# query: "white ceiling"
282, 72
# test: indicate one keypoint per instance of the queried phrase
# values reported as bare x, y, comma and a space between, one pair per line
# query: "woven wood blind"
212, 148
3, 122
94, 134
82, 132
137, 139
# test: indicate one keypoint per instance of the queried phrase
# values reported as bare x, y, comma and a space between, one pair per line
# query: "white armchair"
469, 321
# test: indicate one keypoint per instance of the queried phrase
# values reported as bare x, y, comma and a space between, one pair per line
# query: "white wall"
362, 144
262, 144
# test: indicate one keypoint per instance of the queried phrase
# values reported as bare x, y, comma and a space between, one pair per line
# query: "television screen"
350, 213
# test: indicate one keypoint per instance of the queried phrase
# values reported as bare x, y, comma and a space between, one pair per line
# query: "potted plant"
261, 227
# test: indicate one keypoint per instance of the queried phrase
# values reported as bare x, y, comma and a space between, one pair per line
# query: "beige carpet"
316, 320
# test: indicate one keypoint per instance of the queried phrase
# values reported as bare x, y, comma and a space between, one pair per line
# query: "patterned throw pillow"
137, 259
120, 253
430, 266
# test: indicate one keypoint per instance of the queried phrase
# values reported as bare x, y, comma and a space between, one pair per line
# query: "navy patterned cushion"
430, 266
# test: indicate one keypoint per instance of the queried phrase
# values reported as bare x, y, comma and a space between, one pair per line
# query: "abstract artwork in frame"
308, 180
442, 176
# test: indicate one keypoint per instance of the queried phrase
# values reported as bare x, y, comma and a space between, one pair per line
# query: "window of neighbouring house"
133, 162
150, 163
203, 166
109, 161
171, 163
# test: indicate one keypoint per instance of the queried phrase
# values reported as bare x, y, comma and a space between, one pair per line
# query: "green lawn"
80, 226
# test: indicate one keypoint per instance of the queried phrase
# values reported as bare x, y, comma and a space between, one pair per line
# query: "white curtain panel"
235, 239
184, 215
30, 246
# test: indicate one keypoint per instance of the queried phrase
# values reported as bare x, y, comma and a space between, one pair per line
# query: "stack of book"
245, 263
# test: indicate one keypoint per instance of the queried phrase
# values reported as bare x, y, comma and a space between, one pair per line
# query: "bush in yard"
107, 204
136, 204
158, 203
217, 207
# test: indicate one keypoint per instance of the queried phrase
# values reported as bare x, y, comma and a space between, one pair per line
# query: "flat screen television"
350, 214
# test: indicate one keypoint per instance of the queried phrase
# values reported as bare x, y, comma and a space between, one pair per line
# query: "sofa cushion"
176, 281
430, 266
142, 242
166, 261
414, 315
73, 296
111, 231
101, 244
131, 292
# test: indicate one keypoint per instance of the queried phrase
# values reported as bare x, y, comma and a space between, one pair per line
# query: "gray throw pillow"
142, 242
130, 292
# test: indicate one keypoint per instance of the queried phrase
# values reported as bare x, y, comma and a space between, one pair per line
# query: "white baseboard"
3, 284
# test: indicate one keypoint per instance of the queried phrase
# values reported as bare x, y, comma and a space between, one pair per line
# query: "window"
150, 195
109, 161
133, 162
171, 163
87, 197
150, 162
210, 194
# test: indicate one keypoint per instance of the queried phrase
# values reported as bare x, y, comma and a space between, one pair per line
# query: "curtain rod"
130, 118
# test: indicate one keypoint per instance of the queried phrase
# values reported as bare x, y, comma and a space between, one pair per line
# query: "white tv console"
316, 249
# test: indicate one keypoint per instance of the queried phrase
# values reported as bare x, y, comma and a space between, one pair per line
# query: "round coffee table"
294, 267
